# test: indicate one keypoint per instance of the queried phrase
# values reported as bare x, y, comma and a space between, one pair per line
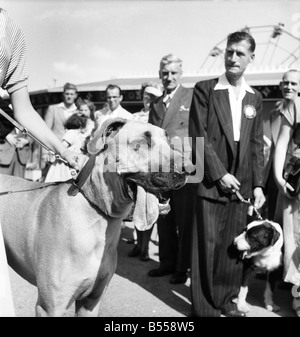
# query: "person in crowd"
79, 128
56, 117
14, 79
150, 91
57, 114
113, 108
15, 152
227, 112
171, 113
87, 108
271, 131
288, 143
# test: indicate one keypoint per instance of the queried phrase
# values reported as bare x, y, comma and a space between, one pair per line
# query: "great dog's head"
138, 157
258, 237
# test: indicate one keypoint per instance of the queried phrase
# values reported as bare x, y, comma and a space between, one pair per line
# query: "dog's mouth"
157, 182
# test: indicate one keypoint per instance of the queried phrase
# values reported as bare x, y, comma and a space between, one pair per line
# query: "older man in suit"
171, 112
227, 112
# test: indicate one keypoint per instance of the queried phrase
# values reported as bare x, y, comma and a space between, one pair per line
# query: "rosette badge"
249, 111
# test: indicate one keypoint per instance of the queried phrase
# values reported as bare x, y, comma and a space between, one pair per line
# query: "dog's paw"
243, 306
272, 307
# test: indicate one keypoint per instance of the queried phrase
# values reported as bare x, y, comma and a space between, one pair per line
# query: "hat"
154, 91
70, 86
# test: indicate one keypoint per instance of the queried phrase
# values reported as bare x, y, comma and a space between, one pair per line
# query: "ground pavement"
132, 293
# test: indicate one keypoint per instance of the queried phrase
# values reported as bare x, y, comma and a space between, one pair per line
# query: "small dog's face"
257, 237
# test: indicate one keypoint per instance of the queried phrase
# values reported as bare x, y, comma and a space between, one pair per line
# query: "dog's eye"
137, 147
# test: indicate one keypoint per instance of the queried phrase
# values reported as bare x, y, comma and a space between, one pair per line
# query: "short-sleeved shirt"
76, 138
13, 67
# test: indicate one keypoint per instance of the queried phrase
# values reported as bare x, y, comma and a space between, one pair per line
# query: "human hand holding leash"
229, 183
259, 200
73, 159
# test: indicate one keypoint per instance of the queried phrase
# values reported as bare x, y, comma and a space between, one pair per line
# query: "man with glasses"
113, 107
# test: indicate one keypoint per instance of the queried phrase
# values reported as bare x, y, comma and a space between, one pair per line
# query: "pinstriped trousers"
216, 271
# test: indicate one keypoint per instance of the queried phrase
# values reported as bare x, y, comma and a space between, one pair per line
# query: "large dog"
63, 237
261, 247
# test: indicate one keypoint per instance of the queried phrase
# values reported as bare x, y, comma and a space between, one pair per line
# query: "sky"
84, 41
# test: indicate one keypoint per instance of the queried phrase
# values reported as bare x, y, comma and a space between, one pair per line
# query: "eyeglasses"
110, 97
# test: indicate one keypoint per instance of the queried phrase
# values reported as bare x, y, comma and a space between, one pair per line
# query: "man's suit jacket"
210, 117
176, 118
7, 152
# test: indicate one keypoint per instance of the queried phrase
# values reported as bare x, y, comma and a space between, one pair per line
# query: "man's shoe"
135, 251
233, 313
178, 278
161, 271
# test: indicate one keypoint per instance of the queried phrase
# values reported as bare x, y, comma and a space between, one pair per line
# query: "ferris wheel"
275, 49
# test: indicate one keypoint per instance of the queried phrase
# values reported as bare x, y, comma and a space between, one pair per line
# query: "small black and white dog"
261, 246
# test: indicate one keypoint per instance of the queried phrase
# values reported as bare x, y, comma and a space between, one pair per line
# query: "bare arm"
285, 134
26, 115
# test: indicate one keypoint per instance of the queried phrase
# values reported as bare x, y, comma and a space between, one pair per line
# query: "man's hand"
259, 200
229, 183
47, 158
259, 197
21, 142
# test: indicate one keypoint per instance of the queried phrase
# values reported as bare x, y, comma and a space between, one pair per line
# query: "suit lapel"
173, 108
224, 114
160, 110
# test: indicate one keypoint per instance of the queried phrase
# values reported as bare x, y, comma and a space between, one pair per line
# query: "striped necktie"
167, 101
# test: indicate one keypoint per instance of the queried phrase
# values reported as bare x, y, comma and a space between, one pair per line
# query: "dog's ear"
108, 130
276, 236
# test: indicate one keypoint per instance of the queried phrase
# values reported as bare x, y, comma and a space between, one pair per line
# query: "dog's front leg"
88, 307
43, 309
241, 302
272, 277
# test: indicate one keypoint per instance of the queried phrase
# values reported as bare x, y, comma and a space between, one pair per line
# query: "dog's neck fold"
106, 189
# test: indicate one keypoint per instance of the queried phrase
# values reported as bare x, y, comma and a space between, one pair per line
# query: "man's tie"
167, 101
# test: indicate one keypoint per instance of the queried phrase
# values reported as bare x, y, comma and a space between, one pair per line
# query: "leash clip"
241, 198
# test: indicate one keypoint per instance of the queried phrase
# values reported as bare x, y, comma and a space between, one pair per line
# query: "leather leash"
85, 173
241, 198
32, 189
26, 133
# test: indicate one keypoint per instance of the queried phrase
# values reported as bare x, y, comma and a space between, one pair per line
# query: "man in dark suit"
171, 112
227, 112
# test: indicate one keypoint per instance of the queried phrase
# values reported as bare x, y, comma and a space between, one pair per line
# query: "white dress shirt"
235, 103
168, 97
103, 115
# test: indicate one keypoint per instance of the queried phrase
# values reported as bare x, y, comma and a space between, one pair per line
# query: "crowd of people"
240, 154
